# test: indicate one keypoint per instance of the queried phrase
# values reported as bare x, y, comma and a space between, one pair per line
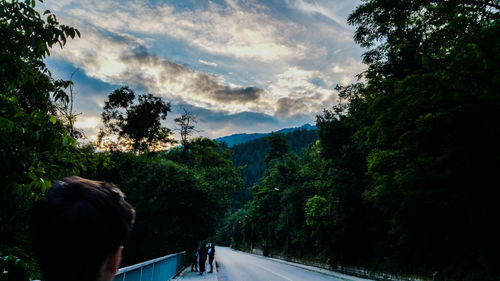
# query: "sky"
240, 66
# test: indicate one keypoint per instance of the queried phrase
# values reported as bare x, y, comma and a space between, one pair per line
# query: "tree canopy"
138, 126
403, 178
34, 146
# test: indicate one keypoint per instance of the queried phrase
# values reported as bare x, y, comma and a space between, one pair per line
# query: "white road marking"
277, 274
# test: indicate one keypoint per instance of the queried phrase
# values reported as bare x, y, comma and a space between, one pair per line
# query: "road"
239, 266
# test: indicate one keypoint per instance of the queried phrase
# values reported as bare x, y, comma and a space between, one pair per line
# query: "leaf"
53, 119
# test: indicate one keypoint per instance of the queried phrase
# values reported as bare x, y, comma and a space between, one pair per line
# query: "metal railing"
160, 269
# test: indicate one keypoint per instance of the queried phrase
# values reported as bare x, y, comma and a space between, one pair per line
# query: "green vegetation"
34, 146
250, 158
403, 178
137, 127
179, 200
251, 155
177, 204
401, 175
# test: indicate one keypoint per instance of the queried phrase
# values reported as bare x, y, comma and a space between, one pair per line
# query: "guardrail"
160, 269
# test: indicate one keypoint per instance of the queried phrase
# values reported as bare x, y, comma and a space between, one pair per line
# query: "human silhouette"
211, 256
202, 257
194, 260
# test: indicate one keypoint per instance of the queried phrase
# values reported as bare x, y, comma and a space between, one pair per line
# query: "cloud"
241, 94
207, 63
123, 59
287, 107
238, 29
89, 125
347, 70
314, 7
230, 29
336, 11
301, 93
260, 59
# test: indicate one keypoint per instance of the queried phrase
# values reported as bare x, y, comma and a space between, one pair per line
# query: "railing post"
153, 273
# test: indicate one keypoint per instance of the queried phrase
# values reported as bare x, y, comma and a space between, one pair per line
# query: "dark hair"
77, 224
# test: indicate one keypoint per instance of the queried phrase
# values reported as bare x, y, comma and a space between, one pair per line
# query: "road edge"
322, 270
312, 268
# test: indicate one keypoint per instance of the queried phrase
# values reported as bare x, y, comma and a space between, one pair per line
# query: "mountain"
235, 139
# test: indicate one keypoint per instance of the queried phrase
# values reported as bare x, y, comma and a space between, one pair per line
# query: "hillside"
235, 139
251, 155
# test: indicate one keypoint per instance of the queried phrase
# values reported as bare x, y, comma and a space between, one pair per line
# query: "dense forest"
402, 177
250, 156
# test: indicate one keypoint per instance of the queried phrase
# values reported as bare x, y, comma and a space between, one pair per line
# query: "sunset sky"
241, 66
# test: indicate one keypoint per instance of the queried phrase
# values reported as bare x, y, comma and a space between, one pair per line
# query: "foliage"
186, 128
275, 218
177, 205
431, 93
137, 126
34, 146
278, 147
65, 111
251, 155
403, 176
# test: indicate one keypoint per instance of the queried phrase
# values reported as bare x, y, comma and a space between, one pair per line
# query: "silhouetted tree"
186, 128
137, 126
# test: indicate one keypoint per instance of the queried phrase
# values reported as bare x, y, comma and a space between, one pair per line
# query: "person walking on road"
211, 256
194, 261
202, 257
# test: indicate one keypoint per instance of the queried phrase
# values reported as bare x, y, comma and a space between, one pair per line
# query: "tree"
65, 111
177, 204
34, 146
137, 126
278, 147
186, 128
346, 226
403, 177
430, 122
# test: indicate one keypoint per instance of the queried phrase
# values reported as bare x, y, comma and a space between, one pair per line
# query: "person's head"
78, 229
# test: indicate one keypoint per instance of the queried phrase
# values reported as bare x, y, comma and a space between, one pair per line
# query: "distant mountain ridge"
242, 138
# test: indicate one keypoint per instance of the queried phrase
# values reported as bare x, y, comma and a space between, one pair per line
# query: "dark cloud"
199, 83
118, 38
240, 94
91, 59
207, 84
292, 108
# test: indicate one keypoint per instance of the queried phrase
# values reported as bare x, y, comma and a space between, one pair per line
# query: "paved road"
238, 266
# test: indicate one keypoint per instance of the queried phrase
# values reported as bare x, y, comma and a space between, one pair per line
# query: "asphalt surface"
239, 266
